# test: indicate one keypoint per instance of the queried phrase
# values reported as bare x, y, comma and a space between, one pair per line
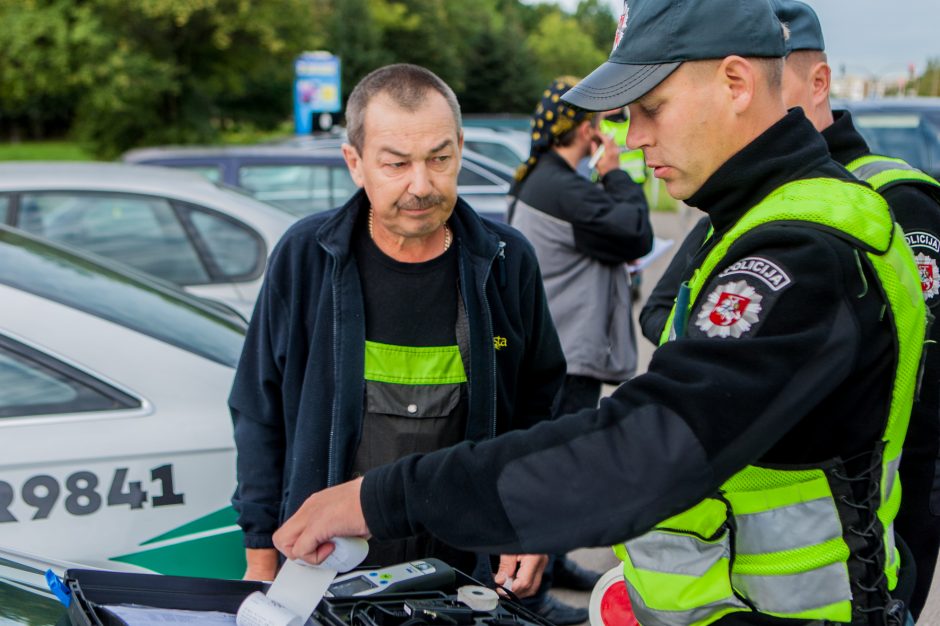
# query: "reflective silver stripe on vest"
676, 554
870, 170
797, 592
891, 475
787, 528
655, 617
890, 553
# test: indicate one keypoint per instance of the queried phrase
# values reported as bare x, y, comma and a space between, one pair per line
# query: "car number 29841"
82, 496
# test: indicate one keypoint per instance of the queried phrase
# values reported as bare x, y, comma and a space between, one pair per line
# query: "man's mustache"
415, 203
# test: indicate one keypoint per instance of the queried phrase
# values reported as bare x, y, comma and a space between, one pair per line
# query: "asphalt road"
674, 226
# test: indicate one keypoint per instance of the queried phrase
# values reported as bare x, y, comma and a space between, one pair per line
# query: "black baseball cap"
803, 24
654, 37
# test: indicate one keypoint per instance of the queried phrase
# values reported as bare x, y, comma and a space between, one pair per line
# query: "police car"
174, 225
116, 445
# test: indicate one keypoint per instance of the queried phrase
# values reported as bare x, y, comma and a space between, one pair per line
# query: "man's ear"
354, 163
739, 79
821, 79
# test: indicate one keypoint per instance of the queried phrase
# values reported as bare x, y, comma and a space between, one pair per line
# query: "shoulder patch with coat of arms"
926, 248
740, 299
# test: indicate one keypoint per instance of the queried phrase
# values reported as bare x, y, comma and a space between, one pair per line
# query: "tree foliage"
118, 74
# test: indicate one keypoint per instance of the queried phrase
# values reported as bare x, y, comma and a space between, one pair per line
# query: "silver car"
177, 226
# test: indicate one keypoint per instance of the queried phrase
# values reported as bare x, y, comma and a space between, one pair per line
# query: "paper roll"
478, 598
260, 610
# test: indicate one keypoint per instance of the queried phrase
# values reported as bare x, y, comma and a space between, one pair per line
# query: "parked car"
507, 146
906, 128
116, 444
176, 226
308, 175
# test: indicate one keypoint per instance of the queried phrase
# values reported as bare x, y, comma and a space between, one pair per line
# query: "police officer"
748, 477
913, 198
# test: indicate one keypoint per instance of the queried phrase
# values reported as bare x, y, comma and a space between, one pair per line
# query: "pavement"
675, 226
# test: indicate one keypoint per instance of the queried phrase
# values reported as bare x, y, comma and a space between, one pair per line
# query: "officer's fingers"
311, 548
508, 563
286, 536
529, 574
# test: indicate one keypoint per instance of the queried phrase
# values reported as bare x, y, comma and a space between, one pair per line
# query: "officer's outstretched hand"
521, 573
333, 512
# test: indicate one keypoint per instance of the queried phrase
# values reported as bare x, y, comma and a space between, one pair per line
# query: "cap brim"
614, 85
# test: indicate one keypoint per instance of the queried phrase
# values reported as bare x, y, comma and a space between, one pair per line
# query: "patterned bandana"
552, 119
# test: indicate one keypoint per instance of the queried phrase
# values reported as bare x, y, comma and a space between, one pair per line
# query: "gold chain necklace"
447, 236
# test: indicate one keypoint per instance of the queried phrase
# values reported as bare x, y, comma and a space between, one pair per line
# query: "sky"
867, 37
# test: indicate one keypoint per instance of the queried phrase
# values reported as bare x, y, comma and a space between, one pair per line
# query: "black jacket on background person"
656, 309
809, 381
918, 522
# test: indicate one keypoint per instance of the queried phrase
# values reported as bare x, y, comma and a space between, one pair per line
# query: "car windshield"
911, 136
124, 298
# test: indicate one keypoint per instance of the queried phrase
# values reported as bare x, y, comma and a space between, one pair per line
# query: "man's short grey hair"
406, 84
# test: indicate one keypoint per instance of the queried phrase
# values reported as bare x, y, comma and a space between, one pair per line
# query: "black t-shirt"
409, 305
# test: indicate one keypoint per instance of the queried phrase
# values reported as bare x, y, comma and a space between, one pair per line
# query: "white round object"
610, 604
478, 598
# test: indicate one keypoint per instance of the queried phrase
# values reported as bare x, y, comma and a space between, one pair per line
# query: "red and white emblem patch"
735, 308
621, 25
929, 276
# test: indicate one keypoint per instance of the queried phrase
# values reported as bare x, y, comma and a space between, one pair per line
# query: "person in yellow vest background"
750, 475
616, 124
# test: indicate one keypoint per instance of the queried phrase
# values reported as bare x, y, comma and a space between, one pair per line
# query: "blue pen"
58, 588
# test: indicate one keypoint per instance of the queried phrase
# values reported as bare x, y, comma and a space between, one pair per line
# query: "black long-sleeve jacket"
918, 213
808, 381
655, 312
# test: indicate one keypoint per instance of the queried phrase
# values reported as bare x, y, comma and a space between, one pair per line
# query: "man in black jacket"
770, 425
400, 323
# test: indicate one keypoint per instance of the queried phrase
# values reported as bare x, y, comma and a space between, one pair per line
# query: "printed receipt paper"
298, 587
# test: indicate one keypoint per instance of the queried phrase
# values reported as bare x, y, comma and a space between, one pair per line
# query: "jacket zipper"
331, 471
501, 255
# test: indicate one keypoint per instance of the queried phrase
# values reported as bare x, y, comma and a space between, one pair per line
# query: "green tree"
499, 71
562, 48
928, 83
596, 21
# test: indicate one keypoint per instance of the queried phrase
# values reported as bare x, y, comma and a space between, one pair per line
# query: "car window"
495, 151
901, 135
141, 231
236, 250
343, 185
300, 189
33, 383
125, 299
212, 172
469, 178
